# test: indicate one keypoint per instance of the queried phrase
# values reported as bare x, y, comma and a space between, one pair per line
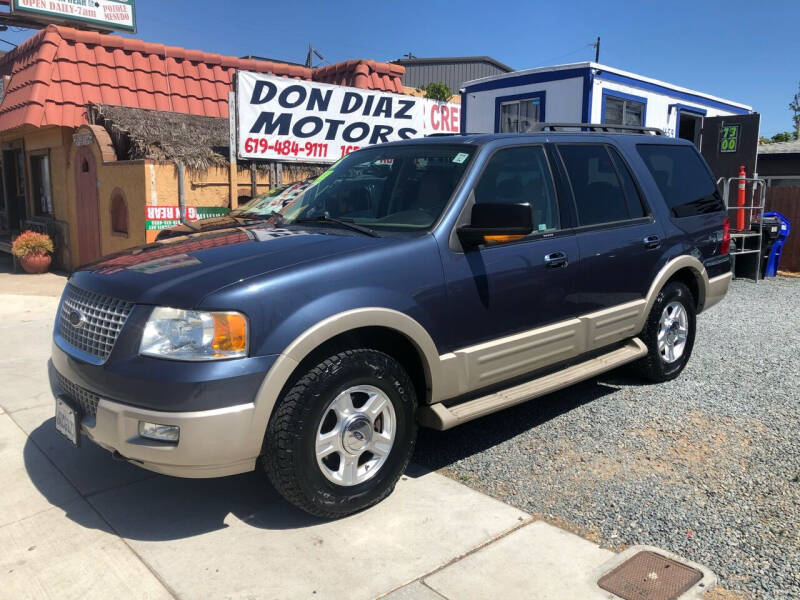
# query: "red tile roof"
59, 71
366, 74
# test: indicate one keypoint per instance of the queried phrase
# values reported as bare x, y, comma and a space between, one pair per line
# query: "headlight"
194, 335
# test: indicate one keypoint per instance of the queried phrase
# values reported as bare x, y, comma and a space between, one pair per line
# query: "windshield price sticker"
460, 157
305, 121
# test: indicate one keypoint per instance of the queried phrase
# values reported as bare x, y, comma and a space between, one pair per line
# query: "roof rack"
596, 127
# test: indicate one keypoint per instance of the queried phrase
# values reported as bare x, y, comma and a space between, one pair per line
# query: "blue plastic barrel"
774, 260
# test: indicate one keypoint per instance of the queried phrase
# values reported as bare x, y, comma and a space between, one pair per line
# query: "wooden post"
233, 183
253, 180
273, 177
280, 173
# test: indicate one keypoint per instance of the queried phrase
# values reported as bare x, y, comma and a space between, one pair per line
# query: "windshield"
385, 188
274, 200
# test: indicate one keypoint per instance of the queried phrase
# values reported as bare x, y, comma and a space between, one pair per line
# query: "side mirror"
496, 223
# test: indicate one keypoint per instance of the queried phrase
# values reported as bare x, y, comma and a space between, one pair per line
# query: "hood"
205, 225
181, 271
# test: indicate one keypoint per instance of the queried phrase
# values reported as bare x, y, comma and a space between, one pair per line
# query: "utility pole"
596, 50
310, 56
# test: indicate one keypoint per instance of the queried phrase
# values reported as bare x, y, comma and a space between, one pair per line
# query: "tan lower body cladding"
492, 362
476, 367
439, 416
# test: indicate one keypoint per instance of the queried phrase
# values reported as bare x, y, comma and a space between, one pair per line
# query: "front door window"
501, 289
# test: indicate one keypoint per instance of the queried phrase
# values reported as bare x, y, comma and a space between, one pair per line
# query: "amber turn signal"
230, 332
497, 239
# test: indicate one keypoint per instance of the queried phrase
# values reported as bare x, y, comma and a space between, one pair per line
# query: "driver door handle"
651, 242
556, 259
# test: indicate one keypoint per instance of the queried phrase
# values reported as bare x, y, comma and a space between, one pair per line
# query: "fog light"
162, 433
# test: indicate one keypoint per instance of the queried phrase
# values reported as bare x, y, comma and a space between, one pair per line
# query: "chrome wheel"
673, 331
355, 435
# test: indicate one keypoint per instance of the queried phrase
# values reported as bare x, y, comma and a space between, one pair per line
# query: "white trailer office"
587, 92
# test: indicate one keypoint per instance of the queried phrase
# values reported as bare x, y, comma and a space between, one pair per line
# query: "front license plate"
68, 422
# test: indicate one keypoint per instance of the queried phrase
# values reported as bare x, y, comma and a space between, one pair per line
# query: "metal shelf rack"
747, 241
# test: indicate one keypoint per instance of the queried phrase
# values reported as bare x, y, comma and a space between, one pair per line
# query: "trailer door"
730, 141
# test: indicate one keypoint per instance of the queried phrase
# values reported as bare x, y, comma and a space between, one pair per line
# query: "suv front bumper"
212, 443
217, 435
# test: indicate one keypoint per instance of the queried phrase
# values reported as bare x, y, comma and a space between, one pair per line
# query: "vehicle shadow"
137, 504
140, 505
438, 449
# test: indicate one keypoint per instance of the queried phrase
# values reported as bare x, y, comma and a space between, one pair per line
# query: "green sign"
164, 217
109, 15
159, 225
729, 138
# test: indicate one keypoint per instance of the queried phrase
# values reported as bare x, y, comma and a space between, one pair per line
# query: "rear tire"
342, 436
668, 333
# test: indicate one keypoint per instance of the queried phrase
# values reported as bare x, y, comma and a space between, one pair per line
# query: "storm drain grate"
650, 576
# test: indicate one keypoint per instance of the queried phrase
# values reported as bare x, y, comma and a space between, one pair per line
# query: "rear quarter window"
682, 177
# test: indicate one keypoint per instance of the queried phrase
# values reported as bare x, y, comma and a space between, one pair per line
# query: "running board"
439, 416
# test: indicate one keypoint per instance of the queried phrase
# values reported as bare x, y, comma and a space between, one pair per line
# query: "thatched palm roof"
197, 141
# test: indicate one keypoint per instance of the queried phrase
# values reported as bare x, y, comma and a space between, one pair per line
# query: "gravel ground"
707, 466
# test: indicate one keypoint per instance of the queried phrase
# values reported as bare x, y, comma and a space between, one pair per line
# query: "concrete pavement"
74, 523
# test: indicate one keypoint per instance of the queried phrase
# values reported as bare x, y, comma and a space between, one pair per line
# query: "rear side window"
521, 175
599, 195
683, 179
632, 196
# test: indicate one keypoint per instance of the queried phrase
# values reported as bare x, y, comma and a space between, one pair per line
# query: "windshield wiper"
279, 218
349, 223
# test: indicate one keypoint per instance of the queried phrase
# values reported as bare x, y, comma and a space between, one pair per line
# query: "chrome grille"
86, 399
103, 318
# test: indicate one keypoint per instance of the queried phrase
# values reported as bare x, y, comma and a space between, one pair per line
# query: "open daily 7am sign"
305, 121
103, 14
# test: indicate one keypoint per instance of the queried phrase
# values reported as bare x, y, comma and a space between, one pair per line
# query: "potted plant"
33, 251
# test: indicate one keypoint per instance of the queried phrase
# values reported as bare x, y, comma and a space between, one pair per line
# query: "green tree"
437, 91
794, 106
784, 136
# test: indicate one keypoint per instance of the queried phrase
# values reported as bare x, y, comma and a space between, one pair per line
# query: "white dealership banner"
305, 121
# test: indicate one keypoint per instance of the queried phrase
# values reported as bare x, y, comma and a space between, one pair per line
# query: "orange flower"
29, 243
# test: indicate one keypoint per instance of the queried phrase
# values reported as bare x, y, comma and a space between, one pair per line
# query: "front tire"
668, 333
342, 436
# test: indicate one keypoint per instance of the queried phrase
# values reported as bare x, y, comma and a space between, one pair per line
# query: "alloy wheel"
355, 435
673, 331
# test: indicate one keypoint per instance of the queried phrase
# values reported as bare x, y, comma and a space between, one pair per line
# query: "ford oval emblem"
76, 318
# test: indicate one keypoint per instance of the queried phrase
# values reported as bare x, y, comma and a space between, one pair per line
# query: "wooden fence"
786, 200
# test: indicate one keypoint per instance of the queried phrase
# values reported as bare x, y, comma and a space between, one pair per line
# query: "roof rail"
448, 133
597, 127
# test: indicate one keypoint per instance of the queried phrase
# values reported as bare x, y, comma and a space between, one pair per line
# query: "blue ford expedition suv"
424, 282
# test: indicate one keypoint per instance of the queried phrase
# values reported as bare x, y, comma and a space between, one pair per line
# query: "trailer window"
623, 111
684, 181
518, 116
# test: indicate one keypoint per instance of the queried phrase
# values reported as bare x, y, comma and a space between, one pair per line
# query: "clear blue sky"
744, 51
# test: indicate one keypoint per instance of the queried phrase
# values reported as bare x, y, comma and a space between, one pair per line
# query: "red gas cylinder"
740, 198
